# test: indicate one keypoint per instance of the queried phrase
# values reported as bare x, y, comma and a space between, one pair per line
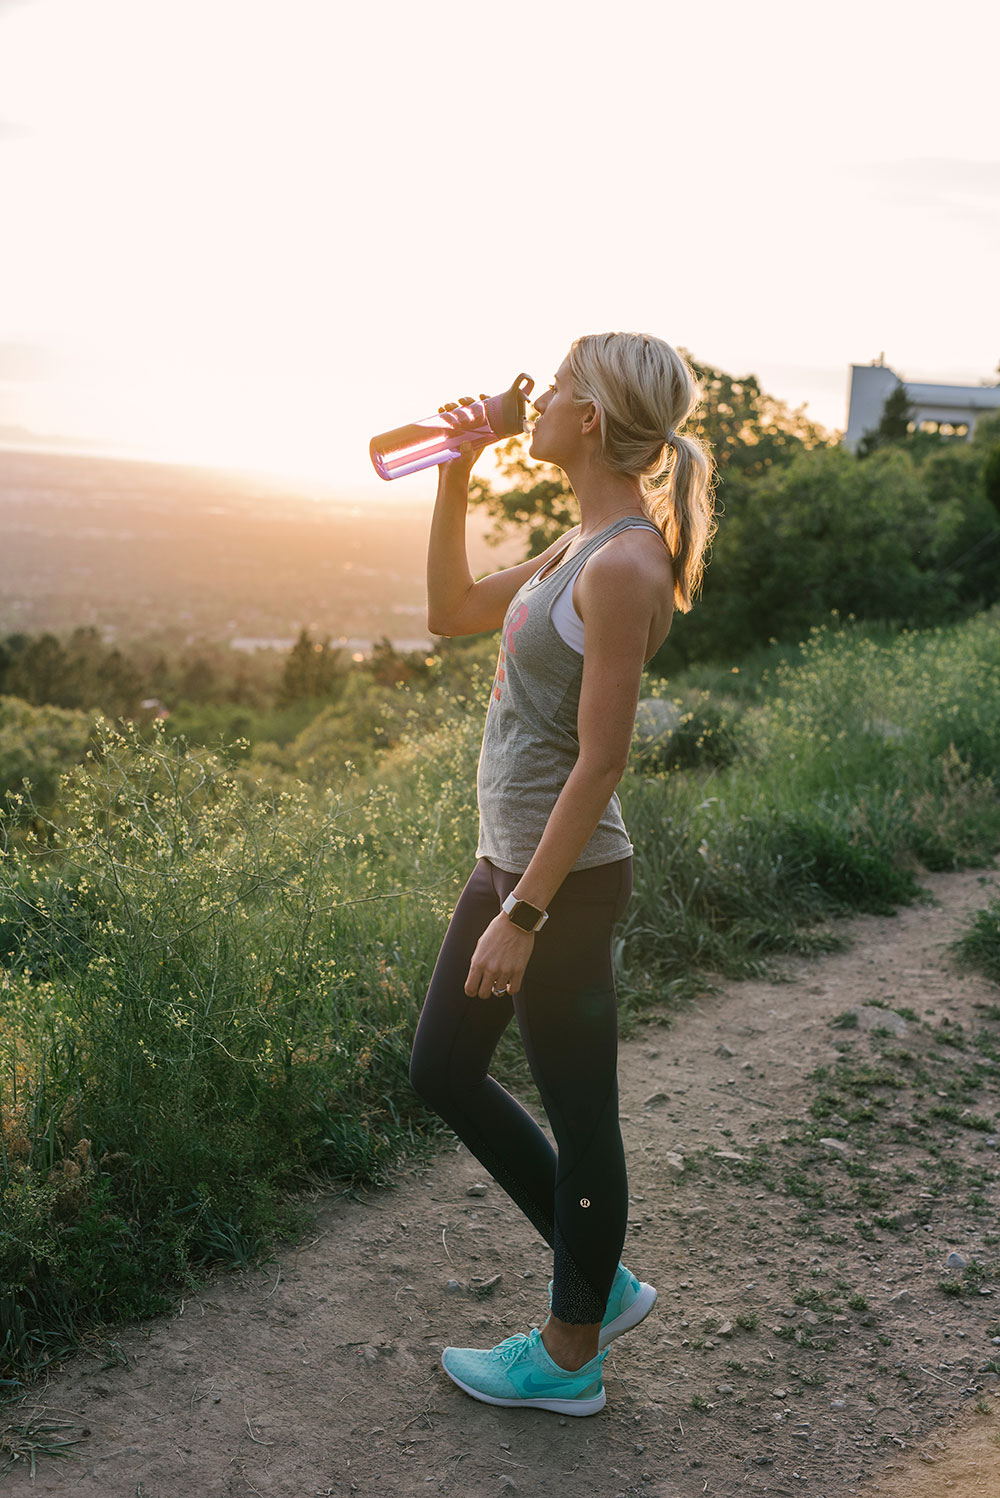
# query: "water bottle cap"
505, 413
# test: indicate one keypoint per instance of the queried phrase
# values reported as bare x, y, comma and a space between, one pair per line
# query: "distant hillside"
148, 548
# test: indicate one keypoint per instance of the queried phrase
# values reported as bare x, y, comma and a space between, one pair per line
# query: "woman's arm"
616, 640
456, 603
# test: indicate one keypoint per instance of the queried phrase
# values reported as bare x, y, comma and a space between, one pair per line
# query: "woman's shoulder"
638, 554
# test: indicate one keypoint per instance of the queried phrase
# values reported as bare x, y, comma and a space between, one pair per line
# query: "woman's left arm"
617, 601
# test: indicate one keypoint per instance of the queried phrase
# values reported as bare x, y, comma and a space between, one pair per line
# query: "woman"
531, 934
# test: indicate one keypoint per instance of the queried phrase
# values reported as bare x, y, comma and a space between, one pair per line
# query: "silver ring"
501, 993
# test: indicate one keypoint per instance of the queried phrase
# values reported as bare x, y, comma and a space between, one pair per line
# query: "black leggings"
567, 1014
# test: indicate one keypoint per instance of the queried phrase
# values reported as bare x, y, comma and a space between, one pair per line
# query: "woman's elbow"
605, 769
441, 625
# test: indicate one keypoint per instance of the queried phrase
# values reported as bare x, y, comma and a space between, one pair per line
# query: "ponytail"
683, 510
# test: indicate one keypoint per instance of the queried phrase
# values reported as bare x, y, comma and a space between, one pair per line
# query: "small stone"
901, 1298
656, 1100
486, 1287
730, 1155
479, 1189
780, 1393
955, 1261
810, 1317
723, 1050
723, 1388
838, 1404
507, 1483
674, 1163
838, 1146
726, 1329
871, 1017
451, 1287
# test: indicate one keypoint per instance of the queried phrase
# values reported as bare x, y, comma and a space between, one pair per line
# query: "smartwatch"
527, 917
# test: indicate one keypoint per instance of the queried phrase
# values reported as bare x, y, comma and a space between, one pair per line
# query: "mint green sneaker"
519, 1373
630, 1302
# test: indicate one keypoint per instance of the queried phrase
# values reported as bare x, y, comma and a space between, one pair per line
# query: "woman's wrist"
453, 479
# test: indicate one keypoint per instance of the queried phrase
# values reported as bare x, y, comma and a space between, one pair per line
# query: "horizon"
323, 243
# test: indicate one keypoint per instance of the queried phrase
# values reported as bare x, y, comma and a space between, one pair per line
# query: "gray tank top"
530, 741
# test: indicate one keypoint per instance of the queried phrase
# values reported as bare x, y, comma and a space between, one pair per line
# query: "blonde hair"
644, 390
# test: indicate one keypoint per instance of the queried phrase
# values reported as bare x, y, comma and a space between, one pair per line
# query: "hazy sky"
258, 231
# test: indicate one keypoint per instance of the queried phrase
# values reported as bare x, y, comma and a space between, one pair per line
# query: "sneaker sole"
637, 1311
557, 1406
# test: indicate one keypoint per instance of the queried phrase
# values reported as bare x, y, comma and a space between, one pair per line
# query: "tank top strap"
568, 571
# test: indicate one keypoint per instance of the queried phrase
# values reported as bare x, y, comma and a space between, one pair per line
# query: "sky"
256, 232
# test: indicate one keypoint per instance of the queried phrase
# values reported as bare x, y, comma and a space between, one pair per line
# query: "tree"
312, 671
893, 426
991, 477
819, 534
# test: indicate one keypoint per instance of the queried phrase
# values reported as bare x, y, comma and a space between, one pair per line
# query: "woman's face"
556, 433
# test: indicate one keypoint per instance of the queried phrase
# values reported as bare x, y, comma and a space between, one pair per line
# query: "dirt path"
801, 1344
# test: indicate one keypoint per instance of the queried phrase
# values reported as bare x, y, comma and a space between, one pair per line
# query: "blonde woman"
531, 933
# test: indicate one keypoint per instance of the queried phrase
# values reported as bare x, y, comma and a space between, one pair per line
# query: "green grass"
980, 946
210, 968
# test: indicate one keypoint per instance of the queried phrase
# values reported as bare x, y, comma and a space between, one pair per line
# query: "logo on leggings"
514, 621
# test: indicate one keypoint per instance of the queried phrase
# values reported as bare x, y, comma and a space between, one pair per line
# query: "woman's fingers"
485, 985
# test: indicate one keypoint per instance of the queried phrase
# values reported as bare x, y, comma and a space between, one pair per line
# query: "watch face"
526, 916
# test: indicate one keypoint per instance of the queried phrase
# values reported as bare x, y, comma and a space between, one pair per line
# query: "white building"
949, 409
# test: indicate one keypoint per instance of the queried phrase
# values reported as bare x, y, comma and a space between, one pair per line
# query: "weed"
24, 1442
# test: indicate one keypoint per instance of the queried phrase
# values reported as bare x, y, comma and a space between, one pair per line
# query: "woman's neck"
603, 497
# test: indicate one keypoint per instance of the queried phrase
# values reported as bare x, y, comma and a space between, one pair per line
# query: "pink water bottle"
421, 444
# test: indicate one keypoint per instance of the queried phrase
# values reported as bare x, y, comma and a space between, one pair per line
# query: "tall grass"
852, 766
211, 971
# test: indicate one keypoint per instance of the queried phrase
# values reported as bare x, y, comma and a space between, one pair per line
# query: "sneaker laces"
511, 1348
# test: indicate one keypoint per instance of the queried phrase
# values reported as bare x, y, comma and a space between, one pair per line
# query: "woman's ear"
591, 418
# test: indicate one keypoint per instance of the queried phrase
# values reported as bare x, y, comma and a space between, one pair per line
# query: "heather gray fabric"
530, 741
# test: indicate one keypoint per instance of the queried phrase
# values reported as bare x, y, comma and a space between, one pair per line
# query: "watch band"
524, 915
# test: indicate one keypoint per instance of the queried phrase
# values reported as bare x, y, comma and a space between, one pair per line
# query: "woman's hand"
500, 959
457, 417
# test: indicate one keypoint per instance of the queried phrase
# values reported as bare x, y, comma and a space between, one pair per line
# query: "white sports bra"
567, 622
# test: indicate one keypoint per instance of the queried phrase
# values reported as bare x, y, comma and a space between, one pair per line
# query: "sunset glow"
252, 232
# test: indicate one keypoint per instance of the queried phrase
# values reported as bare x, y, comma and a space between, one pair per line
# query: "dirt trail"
849, 1371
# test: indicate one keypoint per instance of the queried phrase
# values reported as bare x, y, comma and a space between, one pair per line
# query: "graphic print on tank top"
514, 621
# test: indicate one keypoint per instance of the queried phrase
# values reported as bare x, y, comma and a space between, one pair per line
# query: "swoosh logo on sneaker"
530, 1382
